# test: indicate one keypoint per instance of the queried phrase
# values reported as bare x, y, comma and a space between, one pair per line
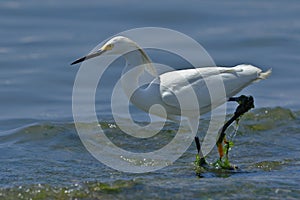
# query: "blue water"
38, 141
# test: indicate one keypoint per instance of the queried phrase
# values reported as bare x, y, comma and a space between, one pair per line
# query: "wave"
41, 132
268, 118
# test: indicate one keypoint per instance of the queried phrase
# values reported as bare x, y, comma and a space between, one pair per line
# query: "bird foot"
245, 104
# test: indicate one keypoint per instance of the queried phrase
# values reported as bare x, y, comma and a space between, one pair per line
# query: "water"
41, 153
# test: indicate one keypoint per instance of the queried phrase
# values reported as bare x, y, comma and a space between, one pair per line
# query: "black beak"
89, 56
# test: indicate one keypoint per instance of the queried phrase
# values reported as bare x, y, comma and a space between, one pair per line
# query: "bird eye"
110, 46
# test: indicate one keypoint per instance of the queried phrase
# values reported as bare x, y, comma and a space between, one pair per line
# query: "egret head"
118, 45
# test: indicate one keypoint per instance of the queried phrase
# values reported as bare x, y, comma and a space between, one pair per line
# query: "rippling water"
46, 159
41, 153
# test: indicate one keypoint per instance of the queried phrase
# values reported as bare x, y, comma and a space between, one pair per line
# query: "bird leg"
200, 160
245, 104
201, 165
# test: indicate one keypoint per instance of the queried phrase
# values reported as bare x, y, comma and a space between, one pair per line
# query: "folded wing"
205, 87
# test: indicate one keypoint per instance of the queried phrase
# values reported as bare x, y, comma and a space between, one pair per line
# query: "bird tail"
265, 75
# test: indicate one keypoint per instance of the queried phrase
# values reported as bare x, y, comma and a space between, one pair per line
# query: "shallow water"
46, 159
41, 153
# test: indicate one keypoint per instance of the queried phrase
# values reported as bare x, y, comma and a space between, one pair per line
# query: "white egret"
168, 86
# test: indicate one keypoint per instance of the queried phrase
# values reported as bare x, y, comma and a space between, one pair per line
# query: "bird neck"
137, 62
136, 57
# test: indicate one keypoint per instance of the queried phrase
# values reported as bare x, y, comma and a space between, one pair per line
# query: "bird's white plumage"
167, 88
179, 83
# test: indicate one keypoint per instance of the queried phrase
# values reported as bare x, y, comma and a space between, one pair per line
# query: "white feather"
183, 83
